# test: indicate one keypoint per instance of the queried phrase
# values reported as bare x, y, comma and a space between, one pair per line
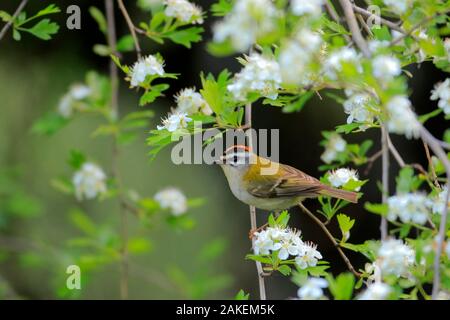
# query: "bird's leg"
252, 232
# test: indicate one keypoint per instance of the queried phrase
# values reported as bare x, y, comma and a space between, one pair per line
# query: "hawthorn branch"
385, 177
334, 15
113, 73
131, 27
253, 222
386, 22
333, 240
354, 27
436, 147
14, 16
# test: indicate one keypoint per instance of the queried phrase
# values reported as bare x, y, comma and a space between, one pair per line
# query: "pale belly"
270, 204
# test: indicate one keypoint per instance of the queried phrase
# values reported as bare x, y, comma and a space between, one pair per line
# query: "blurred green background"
34, 217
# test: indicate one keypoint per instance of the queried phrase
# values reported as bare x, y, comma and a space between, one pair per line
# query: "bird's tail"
340, 194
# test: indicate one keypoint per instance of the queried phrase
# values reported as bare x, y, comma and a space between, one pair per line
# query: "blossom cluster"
144, 67
183, 11
335, 145
89, 181
402, 119
248, 21
175, 121
360, 108
172, 199
441, 92
260, 74
342, 176
312, 289
296, 55
409, 208
395, 258
190, 102
67, 103
286, 242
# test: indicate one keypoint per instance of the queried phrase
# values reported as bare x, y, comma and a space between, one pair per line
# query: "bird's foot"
252, 232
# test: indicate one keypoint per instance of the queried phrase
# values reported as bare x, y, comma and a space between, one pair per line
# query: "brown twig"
435, 146
333, 240
253, 222
131, 27
354, 28
371, 160
386, 22
334, 15
430, 163
113, 73
14, 16
384, 177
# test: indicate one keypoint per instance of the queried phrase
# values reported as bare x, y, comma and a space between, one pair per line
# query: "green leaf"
261, 259
377, 208
5, 16
221, 8
187, 36
125, 43
283, 219
347, 128
241, 295
342, 287
298, 104
284, 270
101, 50
49, 124
99, 18
76, 159
43, 29
212, 250
139, 245
16, 35
82, 221
157, 20
345, 223
425, 117
50, 9
405, 180
155, 92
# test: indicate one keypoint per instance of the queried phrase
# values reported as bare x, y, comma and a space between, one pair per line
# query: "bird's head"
237, 158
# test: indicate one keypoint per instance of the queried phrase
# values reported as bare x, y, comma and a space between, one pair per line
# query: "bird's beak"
219, 161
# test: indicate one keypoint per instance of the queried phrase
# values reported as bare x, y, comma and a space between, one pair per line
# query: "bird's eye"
235, 159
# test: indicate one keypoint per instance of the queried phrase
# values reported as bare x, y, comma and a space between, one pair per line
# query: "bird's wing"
292, 184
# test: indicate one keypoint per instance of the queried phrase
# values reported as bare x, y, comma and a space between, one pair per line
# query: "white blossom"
376, 45
335, 144
394, 257
311, 7
77, 92
342, 176
402, 120
146, 66
248, 21
438, 203
308, 256
286, 242
296, 55
175, 121
89, 181
359, 109
312, 289
190, 101
441, 92
376, 291
183, 11
260, 74
334, 64
398, 6
386, 67
409, 208
172, 199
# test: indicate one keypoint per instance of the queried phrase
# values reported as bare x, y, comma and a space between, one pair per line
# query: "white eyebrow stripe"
237, 154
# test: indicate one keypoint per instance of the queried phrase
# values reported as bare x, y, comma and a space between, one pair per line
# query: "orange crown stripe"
238, 147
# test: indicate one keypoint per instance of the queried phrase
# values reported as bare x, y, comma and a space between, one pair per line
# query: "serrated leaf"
186, 37
241, 295
298, 104
284, 270
345, 223
44, 29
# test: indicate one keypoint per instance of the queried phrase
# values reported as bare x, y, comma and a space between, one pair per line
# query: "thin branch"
14, 16
364, 24
386, 22
112, 43
354, 28
435, 146
330, 236
334, 15
253, 222
385, 177
371, 160
430, 163
131, 27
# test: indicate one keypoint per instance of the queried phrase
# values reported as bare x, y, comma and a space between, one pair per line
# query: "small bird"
286, 188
